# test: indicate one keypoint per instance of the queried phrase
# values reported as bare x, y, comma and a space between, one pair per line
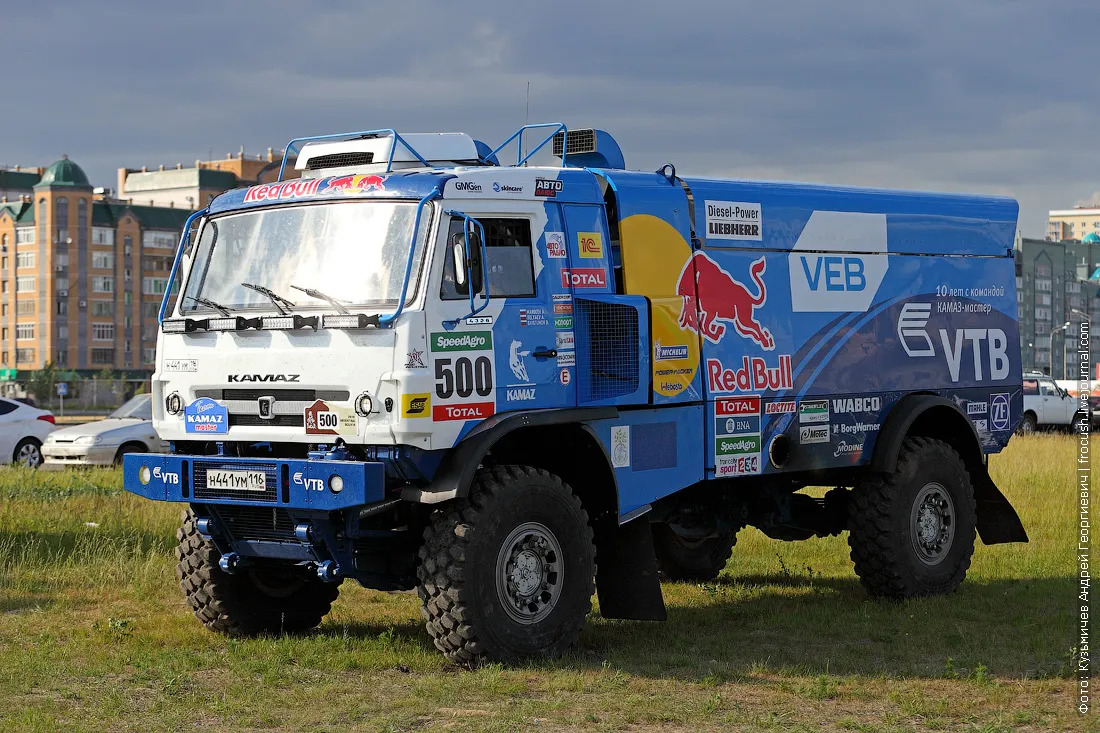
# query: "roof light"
184, 325
352, 320
231, 323
288, 323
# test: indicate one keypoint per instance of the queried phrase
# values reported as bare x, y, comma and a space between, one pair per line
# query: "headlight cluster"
89, 440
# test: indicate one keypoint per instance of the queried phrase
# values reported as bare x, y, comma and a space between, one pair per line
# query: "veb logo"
712, 295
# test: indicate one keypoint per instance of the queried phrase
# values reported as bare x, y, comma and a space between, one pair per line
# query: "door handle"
544, 353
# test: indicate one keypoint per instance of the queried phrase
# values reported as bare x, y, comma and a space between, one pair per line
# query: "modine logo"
669, 353
547, 187
912, 329
843, 282
263, 377
468, 186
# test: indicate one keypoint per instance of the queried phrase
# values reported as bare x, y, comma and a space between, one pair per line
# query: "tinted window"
6, 407
508, 259
1031, 386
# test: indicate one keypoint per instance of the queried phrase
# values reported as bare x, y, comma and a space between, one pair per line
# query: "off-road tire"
680, 559
879, 521
234, 604
459, 560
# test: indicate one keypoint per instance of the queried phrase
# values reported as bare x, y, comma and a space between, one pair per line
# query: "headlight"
145, 475
50, 438
88, 440
336, 483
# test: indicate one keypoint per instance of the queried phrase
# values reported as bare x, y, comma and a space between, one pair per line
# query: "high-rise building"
1073, 224
1053, 287
82, 275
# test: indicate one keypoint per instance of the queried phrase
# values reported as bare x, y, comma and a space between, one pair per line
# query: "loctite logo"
711, 295
752, 375
584, 277
779, 408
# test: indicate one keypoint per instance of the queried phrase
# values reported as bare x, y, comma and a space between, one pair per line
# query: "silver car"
129, 429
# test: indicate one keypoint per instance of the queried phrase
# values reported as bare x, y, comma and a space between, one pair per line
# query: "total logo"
912, 329
823, 282
310, 484
711, 295
584, 277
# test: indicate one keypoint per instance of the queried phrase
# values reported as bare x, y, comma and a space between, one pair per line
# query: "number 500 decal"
465, 378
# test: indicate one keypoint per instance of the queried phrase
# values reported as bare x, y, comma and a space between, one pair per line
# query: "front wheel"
28, 453
508, 573
1028, 425
263, 599
912, 531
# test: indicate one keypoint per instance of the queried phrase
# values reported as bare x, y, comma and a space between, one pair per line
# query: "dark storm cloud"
984, 95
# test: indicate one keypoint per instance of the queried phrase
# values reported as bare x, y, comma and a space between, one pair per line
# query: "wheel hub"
933, 523
529, 573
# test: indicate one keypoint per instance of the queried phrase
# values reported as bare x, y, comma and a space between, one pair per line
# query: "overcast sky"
995, 96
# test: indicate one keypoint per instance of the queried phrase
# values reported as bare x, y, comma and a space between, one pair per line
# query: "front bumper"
81, 455
289, 483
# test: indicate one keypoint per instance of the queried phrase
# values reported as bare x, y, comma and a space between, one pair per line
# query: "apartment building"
82, 274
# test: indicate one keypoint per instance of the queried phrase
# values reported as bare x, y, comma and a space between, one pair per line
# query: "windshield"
139, 407
353, 252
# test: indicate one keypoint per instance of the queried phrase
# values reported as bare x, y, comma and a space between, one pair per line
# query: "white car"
23, 430
1046, 404
129, 429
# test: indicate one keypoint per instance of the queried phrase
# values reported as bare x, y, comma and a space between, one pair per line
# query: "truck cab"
415, 367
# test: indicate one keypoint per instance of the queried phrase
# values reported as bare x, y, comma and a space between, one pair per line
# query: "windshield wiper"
321, 296
276, 299
209, 304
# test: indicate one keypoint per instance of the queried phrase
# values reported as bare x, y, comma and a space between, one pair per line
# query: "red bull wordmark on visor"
752, 375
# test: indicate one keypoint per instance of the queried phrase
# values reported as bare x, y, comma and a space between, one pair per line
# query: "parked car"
23, 429
1046, 405
129, 429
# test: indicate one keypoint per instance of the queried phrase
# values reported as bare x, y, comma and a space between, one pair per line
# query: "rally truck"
513, 386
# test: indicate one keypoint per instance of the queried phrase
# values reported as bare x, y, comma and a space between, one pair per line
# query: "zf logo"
998, 411
913, 333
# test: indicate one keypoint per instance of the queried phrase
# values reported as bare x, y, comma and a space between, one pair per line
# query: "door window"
1048, 388
509, 260
1031, 386
6, 407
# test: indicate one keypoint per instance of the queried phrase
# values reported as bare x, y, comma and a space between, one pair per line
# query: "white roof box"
373, 154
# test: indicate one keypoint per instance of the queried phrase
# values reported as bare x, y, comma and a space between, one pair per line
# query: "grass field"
94, 636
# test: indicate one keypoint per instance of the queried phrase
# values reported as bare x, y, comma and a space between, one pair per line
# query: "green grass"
94, 636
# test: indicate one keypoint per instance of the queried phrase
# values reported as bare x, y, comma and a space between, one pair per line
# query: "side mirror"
474, 255
458, 252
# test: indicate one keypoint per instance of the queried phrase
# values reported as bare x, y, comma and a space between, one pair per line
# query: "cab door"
516, 353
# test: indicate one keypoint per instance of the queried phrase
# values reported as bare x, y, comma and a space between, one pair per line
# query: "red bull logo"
752, 375
356, 184
283, 190
712, 298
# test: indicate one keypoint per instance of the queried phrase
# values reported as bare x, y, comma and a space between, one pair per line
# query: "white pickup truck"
1046, 404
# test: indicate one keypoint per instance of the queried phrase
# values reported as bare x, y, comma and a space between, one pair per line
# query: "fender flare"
456, 471
896, 428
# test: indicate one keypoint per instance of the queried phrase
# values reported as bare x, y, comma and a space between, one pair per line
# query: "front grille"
268, 494
340, 160
276, 421
255, 523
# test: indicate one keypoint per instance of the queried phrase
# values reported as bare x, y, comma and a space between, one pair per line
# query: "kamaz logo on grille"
263, 377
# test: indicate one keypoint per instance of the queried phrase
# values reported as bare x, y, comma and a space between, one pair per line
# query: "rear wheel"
683, 558
912, 531
508, 573
263, 599
1028, 425
28, 453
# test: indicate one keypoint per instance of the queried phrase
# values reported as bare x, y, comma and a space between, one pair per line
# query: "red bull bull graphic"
711, 295
356, 184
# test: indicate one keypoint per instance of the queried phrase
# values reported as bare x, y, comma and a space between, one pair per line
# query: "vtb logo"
711, 295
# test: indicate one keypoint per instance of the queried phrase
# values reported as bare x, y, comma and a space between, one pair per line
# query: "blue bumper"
288, 483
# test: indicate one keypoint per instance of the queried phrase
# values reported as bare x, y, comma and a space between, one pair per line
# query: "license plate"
236, 480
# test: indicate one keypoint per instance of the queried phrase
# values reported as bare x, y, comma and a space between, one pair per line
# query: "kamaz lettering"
263, 378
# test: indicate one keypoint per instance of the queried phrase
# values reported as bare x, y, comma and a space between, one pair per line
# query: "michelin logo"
844, 282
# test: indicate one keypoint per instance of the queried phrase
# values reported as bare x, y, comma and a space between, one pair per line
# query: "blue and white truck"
511, 386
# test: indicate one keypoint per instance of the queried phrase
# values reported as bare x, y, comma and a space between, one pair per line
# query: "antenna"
526, 117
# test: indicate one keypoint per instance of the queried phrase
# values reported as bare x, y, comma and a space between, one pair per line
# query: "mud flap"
997, 520
626, 572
